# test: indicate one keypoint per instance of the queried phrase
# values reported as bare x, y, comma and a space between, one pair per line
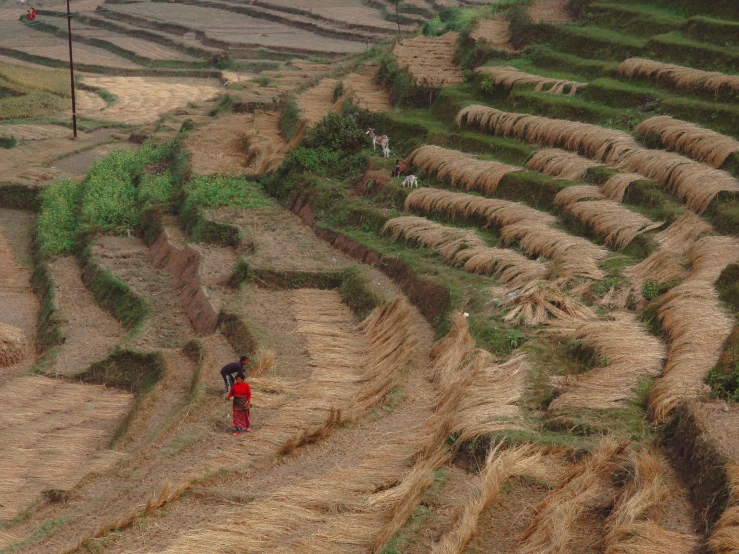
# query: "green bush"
8, 142
289, 119
339, 133
156, 189
339, 91
56, 226
224, 190
724, 384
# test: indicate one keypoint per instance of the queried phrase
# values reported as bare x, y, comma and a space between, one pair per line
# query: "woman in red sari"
241, 393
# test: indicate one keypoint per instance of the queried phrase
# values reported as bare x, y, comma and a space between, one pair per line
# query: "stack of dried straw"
678, 75
560, 163
508, 76
462, 170
13, 345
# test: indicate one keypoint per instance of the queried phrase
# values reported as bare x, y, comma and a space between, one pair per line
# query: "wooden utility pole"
71, 70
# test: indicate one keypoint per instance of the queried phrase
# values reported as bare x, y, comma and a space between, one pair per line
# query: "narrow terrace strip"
678, 75
429, 60
509, 76
702, 145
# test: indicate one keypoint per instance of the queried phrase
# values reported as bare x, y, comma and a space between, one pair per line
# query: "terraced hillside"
531, 351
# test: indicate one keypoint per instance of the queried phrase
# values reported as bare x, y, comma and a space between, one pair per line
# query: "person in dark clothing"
397, 170
228, 371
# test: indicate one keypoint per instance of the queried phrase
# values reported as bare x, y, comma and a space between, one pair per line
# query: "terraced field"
530, 351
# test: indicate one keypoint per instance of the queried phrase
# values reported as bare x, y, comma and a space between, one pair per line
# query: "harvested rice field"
239, 29
527, 346
143, 99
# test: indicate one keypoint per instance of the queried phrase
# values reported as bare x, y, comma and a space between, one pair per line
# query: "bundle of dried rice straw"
678, 75
13, 345
508, 76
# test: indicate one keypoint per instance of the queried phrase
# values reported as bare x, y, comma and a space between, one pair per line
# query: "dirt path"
90, 332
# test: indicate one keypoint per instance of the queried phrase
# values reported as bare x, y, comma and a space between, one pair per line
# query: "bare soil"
550, 11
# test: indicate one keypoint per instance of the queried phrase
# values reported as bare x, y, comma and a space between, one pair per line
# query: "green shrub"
289, 119
339, 91
338, 133
224, 190
724, 384
650, 290
8, 142
56, 226
156, 189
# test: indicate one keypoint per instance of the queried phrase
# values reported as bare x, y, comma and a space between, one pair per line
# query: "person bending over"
234, 368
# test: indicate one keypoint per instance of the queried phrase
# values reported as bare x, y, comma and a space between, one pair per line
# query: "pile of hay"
13, 345
508, 76
678, 75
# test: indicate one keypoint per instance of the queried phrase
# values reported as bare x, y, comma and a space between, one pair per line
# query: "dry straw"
724, 538
677, 75
462, 170
573, 256
317, 101
499, 466
430, 60
538, 301
508, 76
697, 327
494, 212
575, 193
585, 487
615, 187
496, 32
593, 141
631, 527
695, 142
560, 163
696, 183
627, 353
13, 345
265, 146
491, 400
618, 225
683, 232
461, 246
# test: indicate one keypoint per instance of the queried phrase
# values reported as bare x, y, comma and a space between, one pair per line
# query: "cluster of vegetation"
26, 92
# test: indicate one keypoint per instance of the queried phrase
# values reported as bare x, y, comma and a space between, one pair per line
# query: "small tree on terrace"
397, 4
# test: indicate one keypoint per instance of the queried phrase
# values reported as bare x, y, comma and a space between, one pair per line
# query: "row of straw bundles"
560, 163
678, 75
617, 224
696, 324
594, 141
461, 246
574, 256
631, 354
508, 76
464, 171
695, 182
696, 142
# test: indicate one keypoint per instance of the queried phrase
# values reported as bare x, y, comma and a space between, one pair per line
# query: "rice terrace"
477, 262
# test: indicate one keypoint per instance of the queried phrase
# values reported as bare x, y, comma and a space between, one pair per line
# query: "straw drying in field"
508, 76
615, 187
595, 142
495, 32
266, 148
633, 524
724, 538
492, 211
51, 420
678, 75
560, 163
317, 101
500, 465
698, 143
627, 353
696, 323
462, 170
694, 182
538, 301
361, 87
461, 246
587, 486
618, 225
13, 345
429, 60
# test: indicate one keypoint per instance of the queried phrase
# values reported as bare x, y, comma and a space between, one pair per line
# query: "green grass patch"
57, 223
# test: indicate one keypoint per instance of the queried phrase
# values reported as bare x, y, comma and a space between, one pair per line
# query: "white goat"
382, 141
410, 181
